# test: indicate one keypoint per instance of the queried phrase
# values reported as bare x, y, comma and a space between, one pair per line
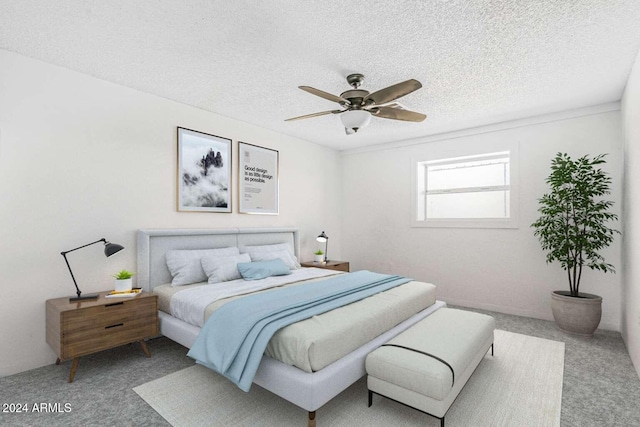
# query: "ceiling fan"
359, 105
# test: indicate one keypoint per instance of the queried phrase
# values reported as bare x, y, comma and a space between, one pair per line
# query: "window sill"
466, 223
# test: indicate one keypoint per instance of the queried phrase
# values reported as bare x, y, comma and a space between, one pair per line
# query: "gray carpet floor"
601, 387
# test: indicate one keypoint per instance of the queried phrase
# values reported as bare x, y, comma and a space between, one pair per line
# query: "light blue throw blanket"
234, 338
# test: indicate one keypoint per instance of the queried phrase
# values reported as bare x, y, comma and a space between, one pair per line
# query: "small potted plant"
573, 228
319, 256
123, 281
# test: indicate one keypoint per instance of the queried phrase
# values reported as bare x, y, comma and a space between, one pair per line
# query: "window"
471, 191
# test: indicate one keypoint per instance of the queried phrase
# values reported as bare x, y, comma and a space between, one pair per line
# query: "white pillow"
185, 265
285, 256
223, 269
267, 252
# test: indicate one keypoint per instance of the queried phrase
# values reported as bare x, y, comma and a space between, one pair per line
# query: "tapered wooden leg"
312, 419
143, 344
58, 361
74, 367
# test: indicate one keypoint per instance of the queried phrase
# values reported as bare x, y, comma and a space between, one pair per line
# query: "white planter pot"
319, 258
123, 285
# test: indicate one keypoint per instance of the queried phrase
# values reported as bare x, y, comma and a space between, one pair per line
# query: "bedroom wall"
496, 269
630, 327
82, 159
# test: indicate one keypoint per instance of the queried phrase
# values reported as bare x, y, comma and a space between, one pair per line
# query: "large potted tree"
573, 229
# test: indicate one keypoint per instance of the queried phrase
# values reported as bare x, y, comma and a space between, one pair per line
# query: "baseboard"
516, 311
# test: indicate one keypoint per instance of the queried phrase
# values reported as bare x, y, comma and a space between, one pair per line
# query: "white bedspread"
312, 344
189, 305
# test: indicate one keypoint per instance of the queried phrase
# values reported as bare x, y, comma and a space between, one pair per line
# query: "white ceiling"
480, 61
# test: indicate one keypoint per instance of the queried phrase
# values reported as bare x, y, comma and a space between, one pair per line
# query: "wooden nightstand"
331, 265
75, 329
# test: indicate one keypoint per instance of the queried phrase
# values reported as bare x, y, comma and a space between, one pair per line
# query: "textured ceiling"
480, 61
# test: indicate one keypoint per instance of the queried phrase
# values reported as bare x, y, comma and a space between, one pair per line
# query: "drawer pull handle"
114, 326
115, 303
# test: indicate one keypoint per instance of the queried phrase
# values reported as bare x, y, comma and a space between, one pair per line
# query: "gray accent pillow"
223, 269
186, 267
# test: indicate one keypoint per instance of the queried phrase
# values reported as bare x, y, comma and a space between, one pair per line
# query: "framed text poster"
258, 179
204, 172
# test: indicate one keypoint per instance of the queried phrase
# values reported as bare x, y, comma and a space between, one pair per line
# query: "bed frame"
309, 391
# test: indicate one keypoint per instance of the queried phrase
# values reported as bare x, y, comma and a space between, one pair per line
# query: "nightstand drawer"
328, 265
81, 342
342, 266
92, 318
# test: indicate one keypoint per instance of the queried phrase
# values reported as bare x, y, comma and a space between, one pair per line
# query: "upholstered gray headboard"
153, 244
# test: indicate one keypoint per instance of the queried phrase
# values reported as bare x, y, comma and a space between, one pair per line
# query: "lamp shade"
355, 119
112, 248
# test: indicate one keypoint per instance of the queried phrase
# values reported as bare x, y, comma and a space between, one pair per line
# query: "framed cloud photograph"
258, 179
204, 172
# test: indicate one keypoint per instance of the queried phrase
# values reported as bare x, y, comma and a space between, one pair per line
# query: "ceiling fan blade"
397, 114
392, 92
325, 95
308, 116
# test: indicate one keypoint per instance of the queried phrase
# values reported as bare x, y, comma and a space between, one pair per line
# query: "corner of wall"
630, 301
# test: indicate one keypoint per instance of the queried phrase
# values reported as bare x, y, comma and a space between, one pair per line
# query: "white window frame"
419, 166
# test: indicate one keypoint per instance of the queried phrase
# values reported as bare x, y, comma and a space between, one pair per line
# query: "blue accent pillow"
260, 269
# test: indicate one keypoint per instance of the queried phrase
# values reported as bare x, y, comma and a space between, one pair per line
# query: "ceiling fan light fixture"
355, 119
359, 105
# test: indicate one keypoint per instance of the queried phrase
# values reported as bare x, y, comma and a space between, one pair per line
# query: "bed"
307, 390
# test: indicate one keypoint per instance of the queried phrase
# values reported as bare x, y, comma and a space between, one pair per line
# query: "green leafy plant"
572, 227
319, 252
123, 275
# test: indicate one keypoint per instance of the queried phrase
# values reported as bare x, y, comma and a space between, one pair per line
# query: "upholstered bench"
426, 366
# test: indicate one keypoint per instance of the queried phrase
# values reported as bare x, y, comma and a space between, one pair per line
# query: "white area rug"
520, 386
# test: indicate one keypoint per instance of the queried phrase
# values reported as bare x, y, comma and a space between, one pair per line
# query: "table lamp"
323, 238
109, 249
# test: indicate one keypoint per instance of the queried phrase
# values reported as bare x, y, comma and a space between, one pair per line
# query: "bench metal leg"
492, 344
420, 410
